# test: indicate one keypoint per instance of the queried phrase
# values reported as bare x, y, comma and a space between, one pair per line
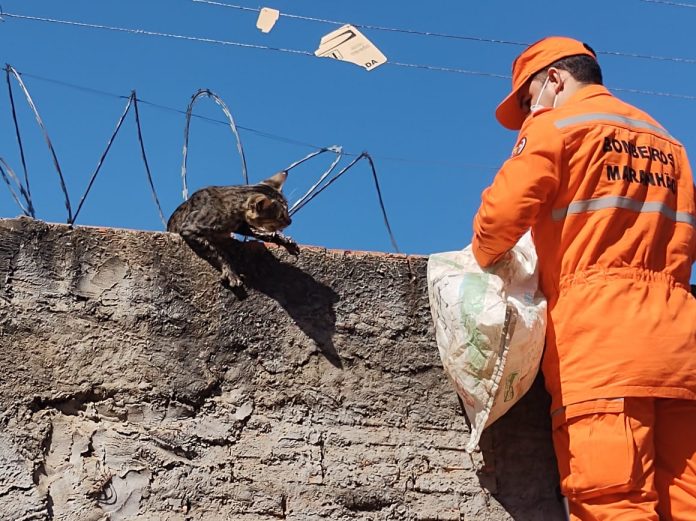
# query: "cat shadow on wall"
308, 302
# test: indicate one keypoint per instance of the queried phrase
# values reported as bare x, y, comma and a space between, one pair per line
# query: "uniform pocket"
595, 449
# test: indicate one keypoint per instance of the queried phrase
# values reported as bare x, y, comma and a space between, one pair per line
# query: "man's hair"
582, 67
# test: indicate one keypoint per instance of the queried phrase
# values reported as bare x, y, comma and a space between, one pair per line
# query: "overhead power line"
455, 36
232, 43
654, 93
152, 33
366, 26
307, 53
673, 4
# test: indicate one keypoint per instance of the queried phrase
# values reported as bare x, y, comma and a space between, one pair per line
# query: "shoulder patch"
519, 147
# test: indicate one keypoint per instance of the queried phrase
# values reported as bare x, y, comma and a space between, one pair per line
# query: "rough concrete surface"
134, 386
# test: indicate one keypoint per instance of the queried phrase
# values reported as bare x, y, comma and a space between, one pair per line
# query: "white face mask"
536, 105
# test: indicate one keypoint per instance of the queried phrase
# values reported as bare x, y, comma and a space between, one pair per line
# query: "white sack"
490, 326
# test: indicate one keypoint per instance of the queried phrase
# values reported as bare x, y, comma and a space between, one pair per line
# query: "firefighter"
609, 196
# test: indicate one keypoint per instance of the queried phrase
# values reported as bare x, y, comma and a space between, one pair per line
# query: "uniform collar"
587, 92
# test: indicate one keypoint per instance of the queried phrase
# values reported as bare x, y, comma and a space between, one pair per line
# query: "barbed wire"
318, 188
9, 176
30, 210
93, 177
132, 101
285, 139
339, 155
262, 133
145, 161
11, 70
233, 127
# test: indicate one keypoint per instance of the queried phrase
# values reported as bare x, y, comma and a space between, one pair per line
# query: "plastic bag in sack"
490, 326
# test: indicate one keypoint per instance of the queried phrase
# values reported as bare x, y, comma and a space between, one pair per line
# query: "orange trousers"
628, 459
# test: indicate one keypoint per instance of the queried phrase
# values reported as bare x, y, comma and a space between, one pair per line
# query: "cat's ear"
277, 180
260, 203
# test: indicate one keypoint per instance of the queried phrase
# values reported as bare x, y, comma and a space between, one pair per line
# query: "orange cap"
533, 59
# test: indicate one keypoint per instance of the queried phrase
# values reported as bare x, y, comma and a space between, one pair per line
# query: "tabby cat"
212, 214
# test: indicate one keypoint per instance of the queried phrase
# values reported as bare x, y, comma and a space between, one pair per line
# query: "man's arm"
528, 180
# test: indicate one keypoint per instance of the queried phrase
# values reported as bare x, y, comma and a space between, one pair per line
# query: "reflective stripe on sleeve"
626, 203
614, 118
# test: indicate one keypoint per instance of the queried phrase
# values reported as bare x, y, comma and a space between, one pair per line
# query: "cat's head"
268, 209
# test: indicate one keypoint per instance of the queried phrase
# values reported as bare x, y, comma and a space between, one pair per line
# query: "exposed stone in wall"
133, 385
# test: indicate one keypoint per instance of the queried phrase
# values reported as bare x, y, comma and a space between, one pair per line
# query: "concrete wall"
134, 386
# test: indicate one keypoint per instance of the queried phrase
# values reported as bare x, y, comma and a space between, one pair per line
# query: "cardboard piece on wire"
350, 45
267, 19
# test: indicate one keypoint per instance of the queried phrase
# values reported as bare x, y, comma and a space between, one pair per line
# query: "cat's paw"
291, 246
231, 279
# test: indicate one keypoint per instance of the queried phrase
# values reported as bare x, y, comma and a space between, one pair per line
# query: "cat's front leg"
277, 238
208, 250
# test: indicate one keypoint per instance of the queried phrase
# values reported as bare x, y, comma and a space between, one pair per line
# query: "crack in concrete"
70, 404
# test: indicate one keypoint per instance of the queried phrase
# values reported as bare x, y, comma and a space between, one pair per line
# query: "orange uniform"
610, 199
609, 196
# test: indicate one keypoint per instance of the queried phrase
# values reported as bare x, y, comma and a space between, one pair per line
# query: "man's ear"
556, 79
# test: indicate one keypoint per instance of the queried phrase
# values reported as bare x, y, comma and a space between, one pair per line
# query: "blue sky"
432, 134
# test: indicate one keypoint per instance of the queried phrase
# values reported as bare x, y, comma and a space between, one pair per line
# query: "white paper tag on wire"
350, 45
267, 19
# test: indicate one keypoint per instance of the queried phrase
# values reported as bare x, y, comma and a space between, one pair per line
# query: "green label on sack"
509, 389
472, 294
